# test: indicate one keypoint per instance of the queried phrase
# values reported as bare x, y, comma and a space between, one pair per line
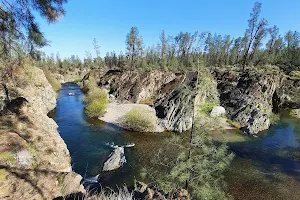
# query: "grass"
149, 101
53, 82
121, 194
77, 80
8, 157
140, 120
234, 124
3, 175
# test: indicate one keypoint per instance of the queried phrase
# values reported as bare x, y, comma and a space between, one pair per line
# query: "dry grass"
53, 82
121, 194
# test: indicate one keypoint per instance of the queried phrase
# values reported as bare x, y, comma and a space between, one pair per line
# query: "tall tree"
255, 33
17, 17
134, 43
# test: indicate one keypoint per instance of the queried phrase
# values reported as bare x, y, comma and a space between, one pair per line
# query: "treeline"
260, 45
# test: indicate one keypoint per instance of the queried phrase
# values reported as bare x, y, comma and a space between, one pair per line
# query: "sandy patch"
116, 111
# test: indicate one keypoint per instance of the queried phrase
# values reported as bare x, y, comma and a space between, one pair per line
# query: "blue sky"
109, 21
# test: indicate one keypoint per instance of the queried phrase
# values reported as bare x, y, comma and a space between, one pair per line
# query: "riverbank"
116, 112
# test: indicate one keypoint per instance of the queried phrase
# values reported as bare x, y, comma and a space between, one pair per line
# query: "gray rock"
166, 91
24, 158
218, 111
115, 160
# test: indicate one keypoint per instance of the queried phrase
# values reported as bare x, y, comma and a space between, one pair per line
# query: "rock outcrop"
34, 160
171, 94
252, 98
115, 160
70, 76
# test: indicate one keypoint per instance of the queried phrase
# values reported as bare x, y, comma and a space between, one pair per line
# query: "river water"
267, 167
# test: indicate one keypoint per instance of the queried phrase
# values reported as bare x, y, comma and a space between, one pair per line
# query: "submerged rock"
115, 160
217, 111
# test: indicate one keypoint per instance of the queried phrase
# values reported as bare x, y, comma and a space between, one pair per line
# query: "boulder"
217, 111
115, 160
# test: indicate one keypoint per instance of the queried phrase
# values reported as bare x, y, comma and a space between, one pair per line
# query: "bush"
207, 107
96, 94
140, 120
96, 109
96, 103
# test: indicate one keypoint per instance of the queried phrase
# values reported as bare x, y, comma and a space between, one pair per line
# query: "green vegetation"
139, 119
207, 107
184, 51
8, 157
274, 118
96, 109
234, 124
53, 82
96, 102
197, 166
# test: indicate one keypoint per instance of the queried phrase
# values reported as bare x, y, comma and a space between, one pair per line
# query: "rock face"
251, 98
169, 93
248, 98
217, 111
115, 160
71, 76
37, 163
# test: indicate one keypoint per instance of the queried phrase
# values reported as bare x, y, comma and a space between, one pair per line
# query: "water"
267, 167
87, 140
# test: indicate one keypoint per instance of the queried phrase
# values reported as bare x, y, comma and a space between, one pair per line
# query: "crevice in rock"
275, 103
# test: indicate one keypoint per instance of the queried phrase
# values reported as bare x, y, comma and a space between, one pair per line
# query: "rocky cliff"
171, 94
34, 160
251, 98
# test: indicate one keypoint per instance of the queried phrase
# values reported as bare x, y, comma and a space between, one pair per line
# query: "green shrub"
96, 94
293, 112
140, 120
207, 107
274, 118
96, 103
96, 109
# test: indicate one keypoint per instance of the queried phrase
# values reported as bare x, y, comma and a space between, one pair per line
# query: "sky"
110, 21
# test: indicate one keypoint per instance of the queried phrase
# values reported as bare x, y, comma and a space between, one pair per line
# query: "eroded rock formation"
171, 94
252, 98
35, 162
